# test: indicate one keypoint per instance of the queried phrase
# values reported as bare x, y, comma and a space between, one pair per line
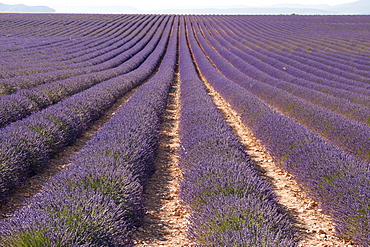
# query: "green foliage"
29, 238
6, 89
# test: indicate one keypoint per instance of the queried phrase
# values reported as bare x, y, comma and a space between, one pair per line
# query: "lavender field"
301, 84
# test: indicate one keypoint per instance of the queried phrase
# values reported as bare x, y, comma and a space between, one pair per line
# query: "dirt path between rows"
165, 220
317, 228
35, 183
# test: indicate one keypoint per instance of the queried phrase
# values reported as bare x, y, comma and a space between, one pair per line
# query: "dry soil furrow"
165, 220
35, 183
316, 227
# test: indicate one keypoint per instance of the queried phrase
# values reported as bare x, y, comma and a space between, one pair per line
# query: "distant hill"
246, 10
360, 7
25, 8
98, 9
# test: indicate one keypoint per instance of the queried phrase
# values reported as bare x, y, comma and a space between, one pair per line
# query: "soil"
316, 227
35, 183
166, 219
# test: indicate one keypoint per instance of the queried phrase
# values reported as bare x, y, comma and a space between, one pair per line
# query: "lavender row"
263, 70
54, 50
340, 182
56, 24
97, 52
314, 92
135, 45
319, 37
253, 52
69, 51
27, 101
230, 203
268, 45
97, 200
351, 136
342, 74
286, 68
270, 65
27, 42
121, 46
12, 47
124, 45
319, 42
27, 145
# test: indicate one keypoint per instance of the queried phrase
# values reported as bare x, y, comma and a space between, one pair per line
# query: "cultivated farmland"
84, 105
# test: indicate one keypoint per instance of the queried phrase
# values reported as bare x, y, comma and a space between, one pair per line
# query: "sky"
150, 4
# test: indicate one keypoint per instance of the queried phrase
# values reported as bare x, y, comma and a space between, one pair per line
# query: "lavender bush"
349, 135
122, 61
313, 69
97, 200
230, 203
339, 181
22, 103
252, 53
27, 145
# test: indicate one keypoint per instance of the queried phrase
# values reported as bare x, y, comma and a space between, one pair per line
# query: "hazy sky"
145, 4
